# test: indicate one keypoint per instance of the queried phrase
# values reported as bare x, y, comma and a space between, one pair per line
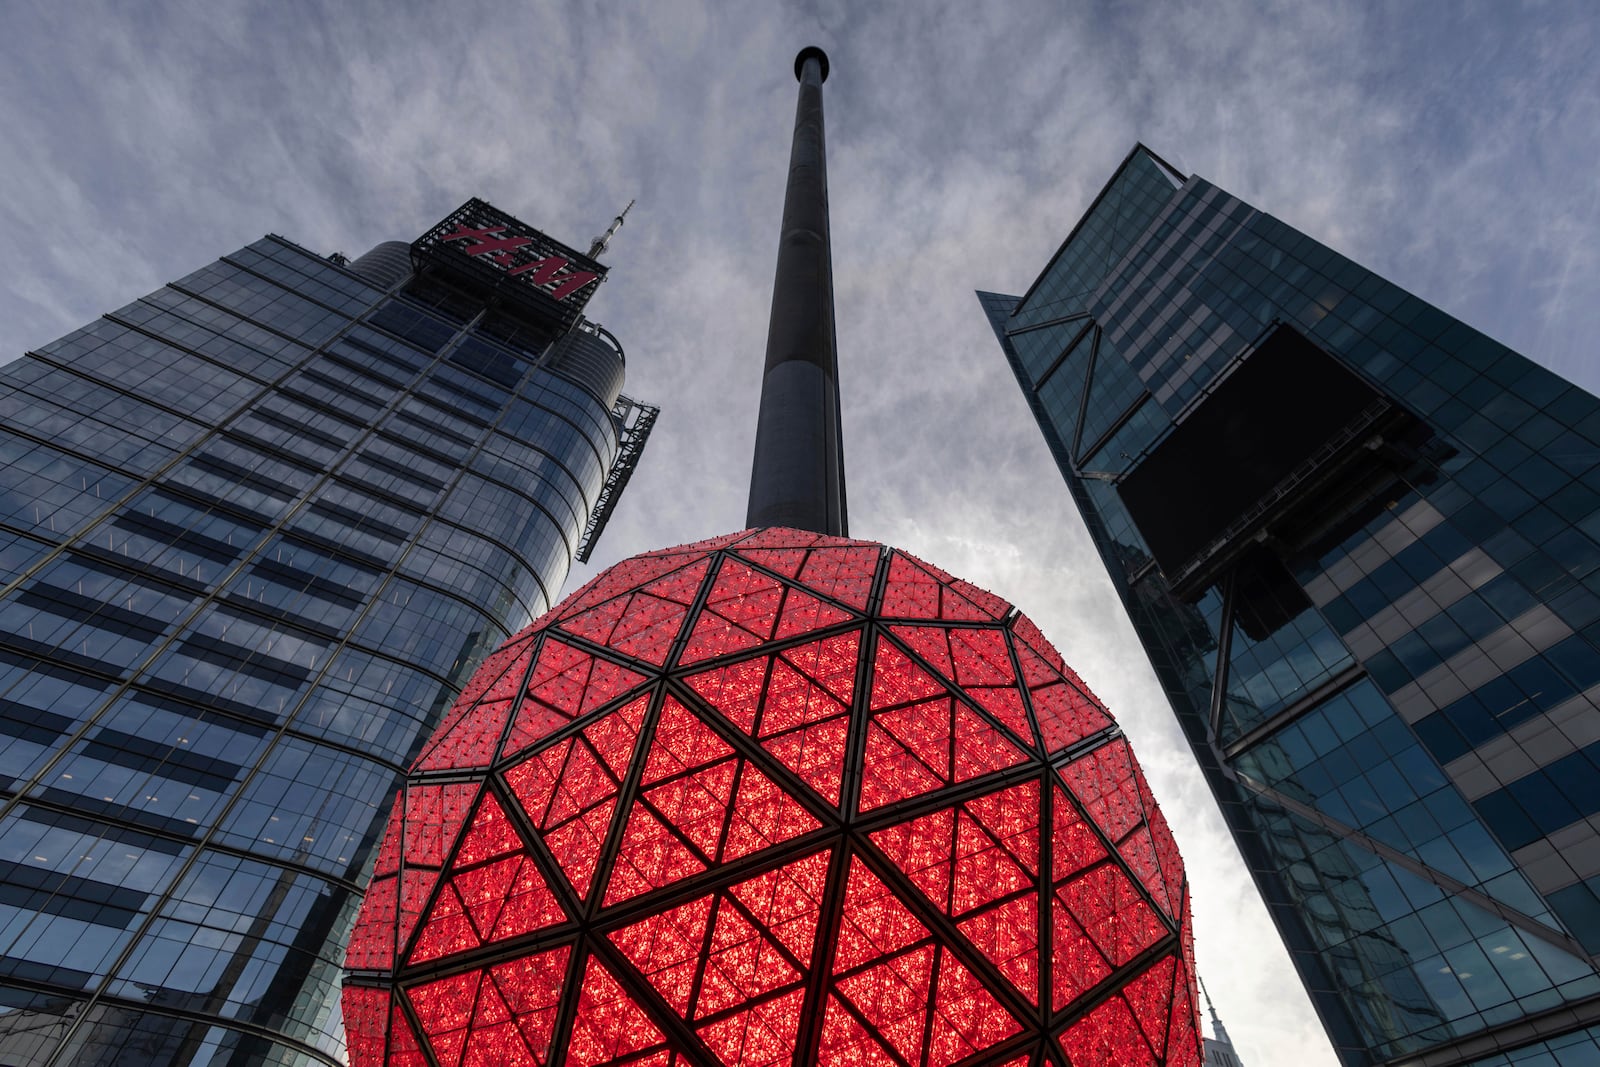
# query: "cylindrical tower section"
590, 356
797, 479
386, 265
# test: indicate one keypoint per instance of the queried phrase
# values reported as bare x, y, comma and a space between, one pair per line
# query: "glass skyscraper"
1360, 543
256, 529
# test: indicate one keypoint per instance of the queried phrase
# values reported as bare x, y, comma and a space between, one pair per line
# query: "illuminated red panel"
977, 863
366, 1023
567, 684
843, 573
531, 987
740, 611
608, 1025
920, 590
775, 799
1183, 1032
668, 948
1118, 799
1109, 1036
644, 622
782, 537
479, 716
896, 680
496, 891
1138, 1025
1065, 712
785, 562
568, 790
372, 940
978, 663
762, 1034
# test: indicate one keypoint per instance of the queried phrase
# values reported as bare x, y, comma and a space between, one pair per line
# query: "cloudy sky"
1453, 147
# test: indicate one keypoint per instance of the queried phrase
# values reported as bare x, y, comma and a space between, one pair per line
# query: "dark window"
1286, 400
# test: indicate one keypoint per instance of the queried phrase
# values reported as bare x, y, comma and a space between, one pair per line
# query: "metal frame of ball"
878, 627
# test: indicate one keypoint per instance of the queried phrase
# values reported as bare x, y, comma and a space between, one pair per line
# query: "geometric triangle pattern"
775, 798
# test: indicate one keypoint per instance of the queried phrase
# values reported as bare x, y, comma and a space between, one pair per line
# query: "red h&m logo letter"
544, 272
496, 248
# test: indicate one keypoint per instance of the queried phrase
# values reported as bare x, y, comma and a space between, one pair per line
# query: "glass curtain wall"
1360, 543
256, 529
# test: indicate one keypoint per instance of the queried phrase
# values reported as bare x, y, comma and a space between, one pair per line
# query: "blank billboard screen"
1278, 407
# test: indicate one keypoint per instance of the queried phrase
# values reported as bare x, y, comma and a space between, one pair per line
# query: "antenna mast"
600, 243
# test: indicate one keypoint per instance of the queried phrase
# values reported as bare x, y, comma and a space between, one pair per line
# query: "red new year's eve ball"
775, 798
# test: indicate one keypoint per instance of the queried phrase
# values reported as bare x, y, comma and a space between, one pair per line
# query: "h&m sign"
489, 243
